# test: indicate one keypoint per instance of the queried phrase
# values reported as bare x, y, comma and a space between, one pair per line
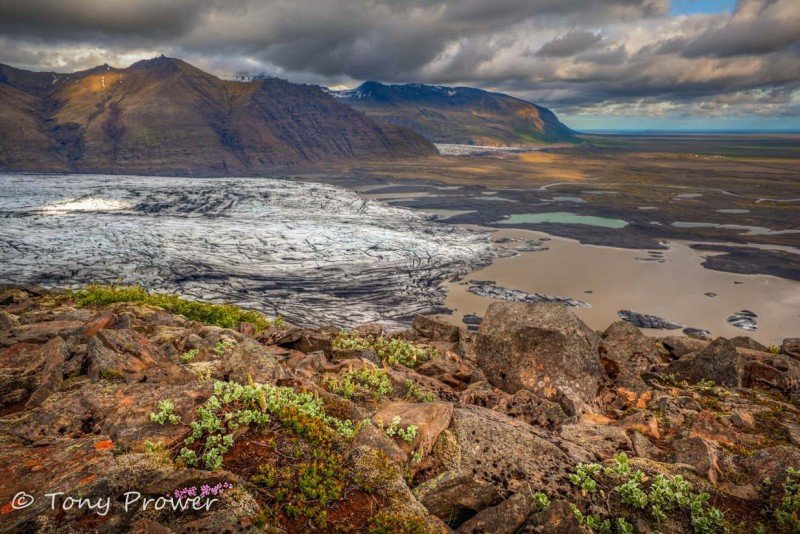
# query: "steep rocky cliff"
164, 116
460, 115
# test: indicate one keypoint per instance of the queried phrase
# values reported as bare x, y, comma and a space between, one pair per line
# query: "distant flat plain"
734, 198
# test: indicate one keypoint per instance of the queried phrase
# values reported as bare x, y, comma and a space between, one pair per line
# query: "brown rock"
533, 409
505, 518
13, 296
370, 436
627, 353
791, 347
282, 336
64, 465
121, 412
512, 455
701, 455
435, 329
679, 346
135, 355
102, 322
8, 320
429, 417
38, 332
312, 341
603, 441
719, 362
20, 368
456, 495
773, 372
771, 463
643, 447
744, 342
447, 367
250, 360
54, 353
558, 518
482, 394
542, 347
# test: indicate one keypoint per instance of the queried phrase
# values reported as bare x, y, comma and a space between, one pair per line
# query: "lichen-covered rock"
505, 518
542, 347
435, 329
454, 495
558, 518
627, 353
719, 362
249, 360
513, 455
701, 455
533, 409
604, 441
54, 353
791, 347
430, 418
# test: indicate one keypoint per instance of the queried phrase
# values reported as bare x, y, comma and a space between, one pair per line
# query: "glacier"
314, 253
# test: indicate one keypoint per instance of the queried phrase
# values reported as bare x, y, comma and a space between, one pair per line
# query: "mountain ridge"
461, 115
165, 116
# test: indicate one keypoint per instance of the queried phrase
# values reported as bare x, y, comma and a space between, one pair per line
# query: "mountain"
463, 115
164, 116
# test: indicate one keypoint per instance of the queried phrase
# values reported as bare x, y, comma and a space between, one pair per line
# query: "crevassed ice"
314, 253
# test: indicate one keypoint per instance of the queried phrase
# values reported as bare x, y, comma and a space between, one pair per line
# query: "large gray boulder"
542, 347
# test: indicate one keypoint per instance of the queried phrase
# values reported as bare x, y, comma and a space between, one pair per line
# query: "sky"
599, 64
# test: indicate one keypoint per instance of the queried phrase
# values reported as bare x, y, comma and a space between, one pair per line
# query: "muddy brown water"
674, 290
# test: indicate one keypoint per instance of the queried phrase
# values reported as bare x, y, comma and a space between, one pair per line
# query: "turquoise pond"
563, 217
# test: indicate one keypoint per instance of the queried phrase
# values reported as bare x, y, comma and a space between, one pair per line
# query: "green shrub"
788, 514
413, 392
388, 523
407, 434
389, 350
223, 346
189, 355
360, 383
541, 500
304, 481
165, 413
583, 477
223, 315
659, 496
234, 405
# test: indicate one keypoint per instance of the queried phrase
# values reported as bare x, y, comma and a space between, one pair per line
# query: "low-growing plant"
407, 434
304, 480
360, 383
389, 350
389, 523
235, 405
189, 355
164, 413
788, 513
660, 495
413, 392
223, 315
583, 477
223, 346
541, 500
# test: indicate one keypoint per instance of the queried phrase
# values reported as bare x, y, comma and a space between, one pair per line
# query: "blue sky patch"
688, 7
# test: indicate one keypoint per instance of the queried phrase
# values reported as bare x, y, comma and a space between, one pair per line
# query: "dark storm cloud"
569, 44
571, 54
54, 20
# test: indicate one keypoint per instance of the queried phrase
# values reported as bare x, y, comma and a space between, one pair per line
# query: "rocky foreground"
125, 417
